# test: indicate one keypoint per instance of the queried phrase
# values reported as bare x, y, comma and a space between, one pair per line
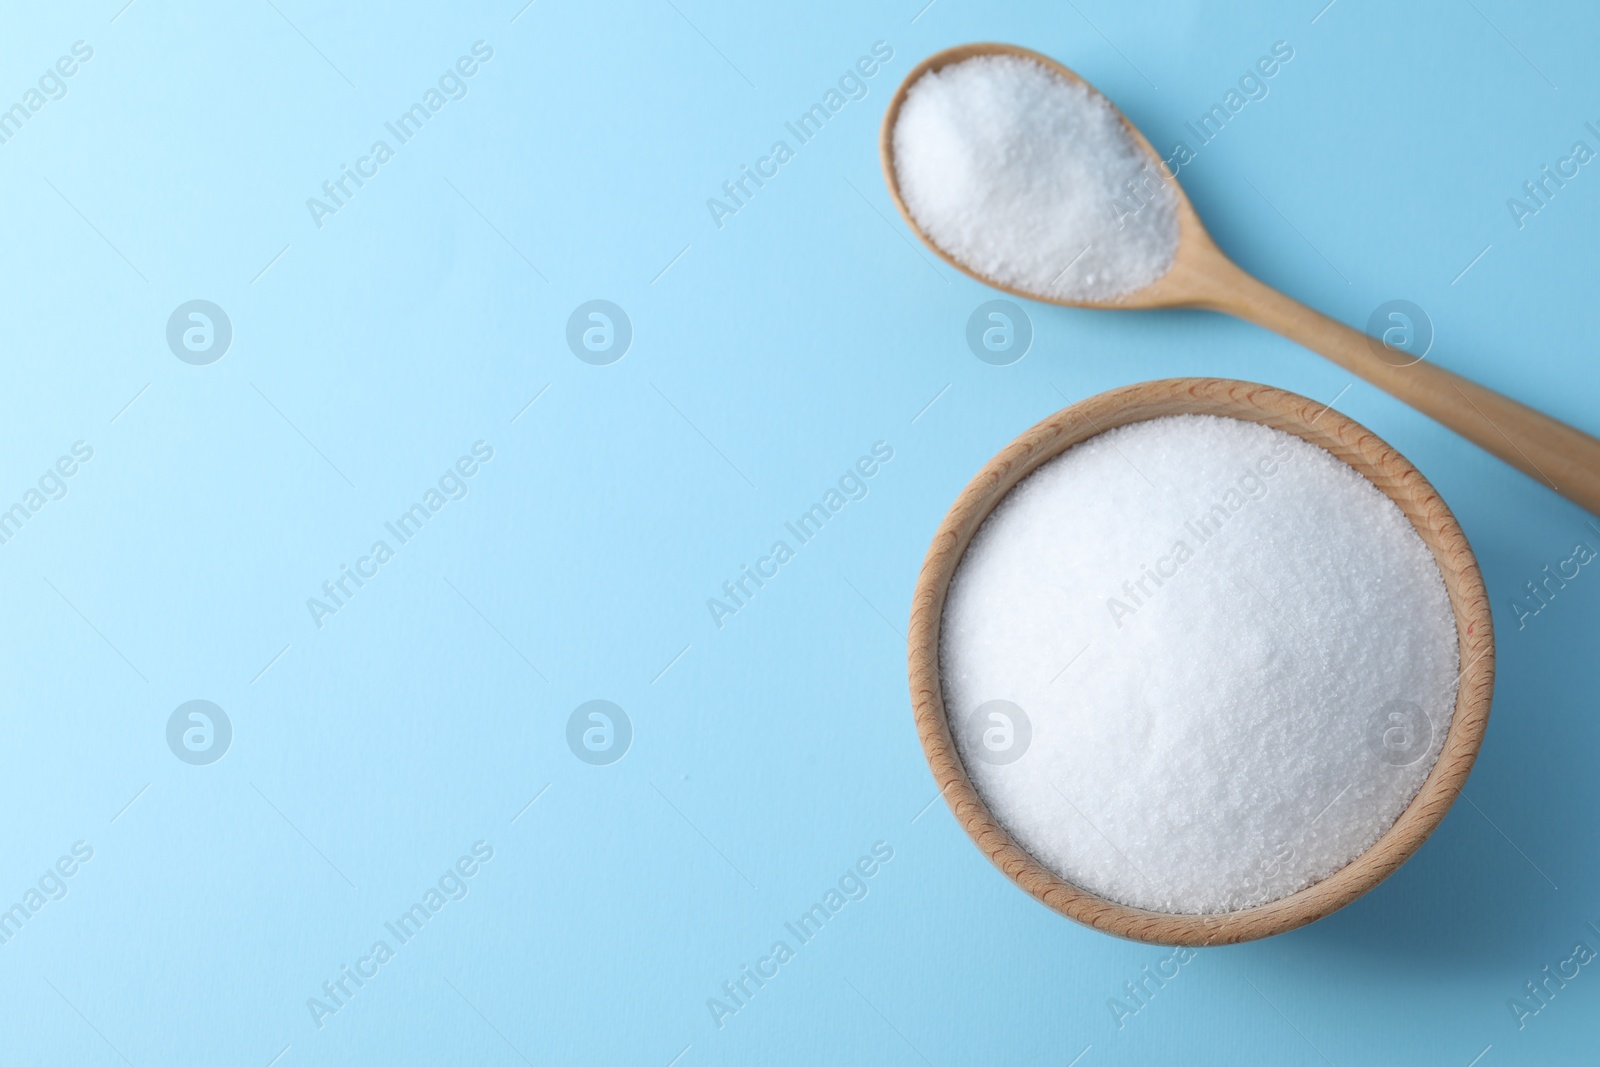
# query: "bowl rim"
1318, 424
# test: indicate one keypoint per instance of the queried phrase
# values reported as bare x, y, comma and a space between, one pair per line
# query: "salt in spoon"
1201, 276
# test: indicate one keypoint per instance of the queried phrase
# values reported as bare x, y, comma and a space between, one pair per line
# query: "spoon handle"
1543, 448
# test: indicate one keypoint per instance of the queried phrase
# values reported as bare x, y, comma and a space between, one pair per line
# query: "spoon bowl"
1201, 276
1313, 422
1195, 262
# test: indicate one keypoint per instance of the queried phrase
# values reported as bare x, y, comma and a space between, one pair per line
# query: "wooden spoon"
1562, 457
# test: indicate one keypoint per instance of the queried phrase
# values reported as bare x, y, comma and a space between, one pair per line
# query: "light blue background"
775, 751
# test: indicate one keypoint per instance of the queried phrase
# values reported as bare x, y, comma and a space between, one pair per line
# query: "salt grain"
1227, 660
1024, 177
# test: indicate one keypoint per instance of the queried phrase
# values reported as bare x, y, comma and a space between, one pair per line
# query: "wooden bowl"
1310, 421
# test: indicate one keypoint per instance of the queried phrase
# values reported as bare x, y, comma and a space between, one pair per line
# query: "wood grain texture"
1201, 276
1349, 441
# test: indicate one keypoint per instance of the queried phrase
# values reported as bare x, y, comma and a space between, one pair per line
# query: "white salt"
1235, 661
1032, 180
